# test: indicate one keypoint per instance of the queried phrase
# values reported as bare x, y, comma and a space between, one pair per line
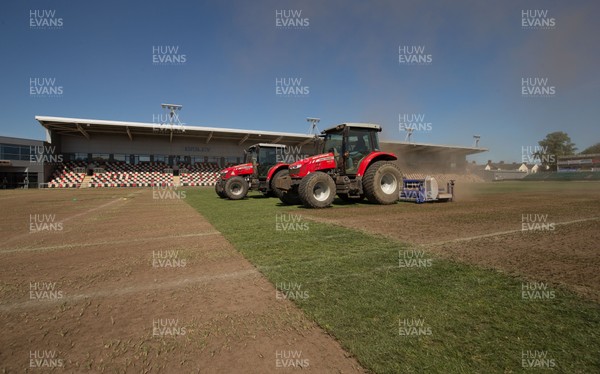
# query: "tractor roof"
267, 145
369, 126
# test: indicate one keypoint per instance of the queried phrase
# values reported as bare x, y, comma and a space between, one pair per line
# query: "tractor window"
359, 145
268, 156
359, 141
333, 143
375, 144
251, 156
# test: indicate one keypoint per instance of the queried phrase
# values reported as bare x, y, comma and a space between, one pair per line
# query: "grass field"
440, 288
441, 315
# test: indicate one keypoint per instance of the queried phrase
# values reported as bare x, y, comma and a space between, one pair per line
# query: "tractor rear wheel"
382, 182
236, 188
281, 173
219, 190
317, 190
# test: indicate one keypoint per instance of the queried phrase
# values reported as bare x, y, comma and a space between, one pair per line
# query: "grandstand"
100, 153
564, 176
581, 162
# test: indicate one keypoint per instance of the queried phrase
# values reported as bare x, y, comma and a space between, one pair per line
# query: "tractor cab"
350, 143
264, 156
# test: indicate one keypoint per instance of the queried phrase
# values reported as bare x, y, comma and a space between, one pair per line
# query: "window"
227, 160
100, 157
333, 143
268, 156
121, 157
216, 160
359, 145
359, 141
16, 152
251, 156
10, 152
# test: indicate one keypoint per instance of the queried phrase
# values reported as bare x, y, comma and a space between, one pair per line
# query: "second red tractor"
262, 166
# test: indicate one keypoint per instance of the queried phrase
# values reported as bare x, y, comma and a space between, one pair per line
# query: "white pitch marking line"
68, 218
129, 290
76, 245
503, 233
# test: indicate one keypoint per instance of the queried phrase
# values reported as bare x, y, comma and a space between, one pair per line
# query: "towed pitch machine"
426, 190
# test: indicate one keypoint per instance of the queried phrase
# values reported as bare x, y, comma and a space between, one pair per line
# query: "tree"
555, 144
591, 149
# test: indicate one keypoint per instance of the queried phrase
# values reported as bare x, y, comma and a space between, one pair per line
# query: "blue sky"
347, 59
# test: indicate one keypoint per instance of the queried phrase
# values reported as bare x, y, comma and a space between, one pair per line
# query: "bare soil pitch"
222, 315
485, 229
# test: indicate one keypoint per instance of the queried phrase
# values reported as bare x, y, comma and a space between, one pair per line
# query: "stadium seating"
120, 174
564, 176
65, 176
200, 174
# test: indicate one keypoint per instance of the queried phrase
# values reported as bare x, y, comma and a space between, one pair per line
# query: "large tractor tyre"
236, 188
219, 190
382, 183
290, 197
317, 190
276, 191
347, 199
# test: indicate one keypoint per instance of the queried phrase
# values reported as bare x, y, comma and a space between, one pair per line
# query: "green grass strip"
473, 320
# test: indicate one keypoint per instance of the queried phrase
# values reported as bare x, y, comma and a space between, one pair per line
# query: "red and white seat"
64, 175
120, 174
199, 174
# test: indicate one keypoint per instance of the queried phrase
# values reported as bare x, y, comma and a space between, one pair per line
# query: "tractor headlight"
295, 169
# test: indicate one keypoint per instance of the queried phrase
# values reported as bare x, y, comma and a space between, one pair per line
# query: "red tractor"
262, 165
352, 168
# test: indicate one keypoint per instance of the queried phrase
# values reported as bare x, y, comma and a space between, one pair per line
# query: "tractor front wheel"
317, 190
236, 188
382, 182
219, 190
280, 174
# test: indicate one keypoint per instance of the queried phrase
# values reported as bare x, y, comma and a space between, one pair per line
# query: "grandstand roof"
425, 147
88, 127
580, 156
